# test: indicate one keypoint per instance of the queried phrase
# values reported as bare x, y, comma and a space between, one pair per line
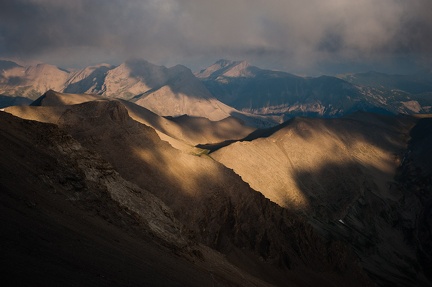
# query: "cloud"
300, 35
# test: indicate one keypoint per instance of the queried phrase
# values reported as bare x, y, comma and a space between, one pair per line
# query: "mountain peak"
238, 69
225, 63
180, 69
226, 68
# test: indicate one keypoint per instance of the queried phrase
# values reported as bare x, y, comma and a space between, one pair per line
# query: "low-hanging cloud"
294, 35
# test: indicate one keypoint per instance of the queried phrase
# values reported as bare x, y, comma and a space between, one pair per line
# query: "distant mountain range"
227, 88
265, 92
166, 91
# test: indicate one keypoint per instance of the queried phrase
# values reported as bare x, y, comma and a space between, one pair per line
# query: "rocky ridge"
355, 179
218, 213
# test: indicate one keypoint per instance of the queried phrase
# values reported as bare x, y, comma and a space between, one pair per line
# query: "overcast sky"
301, 36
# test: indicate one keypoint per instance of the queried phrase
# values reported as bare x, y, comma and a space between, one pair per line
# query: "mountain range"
259, 97
265, 92
146, 175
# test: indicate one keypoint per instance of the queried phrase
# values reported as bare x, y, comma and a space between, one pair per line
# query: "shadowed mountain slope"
70, 219
218, 208
341, 174
251, 89
229, 128
415, 180
416, 84
254, 90
7, 101
89, 80
304, 144
183, 132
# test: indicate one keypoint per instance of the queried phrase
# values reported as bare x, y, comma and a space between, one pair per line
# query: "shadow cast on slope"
415, 177
384, 232
391, 234
366, 126
203, 130
7, 101
331, 188
259, 133
52, 238
213, 202
272, 89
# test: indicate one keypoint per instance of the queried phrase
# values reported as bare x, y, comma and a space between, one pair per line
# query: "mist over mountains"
140, 174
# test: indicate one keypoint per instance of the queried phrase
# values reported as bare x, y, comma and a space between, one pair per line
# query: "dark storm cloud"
58, 28
296, 35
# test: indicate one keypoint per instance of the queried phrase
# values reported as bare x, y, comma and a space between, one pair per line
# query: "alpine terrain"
265, 92
139, 174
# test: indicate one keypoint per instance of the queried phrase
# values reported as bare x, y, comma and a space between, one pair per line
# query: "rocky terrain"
71, 219
131, 156
108, 169
355, 179
115, 189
